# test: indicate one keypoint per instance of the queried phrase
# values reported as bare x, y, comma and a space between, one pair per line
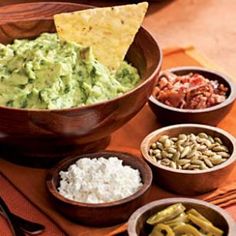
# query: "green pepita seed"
192, 167
218, 140
208, 153
182, 137
186, 166
223, 154
173, 165
185, 152
194, 158
220, 149
176, 156
214, 145
183, 161
208, 162
153, 158
159, 145
167, 143
171, 150
154, 146
211, 139
206, 142
202, 135
156, 151
202, 148
203, 166
197, 162
163, 138
216, 159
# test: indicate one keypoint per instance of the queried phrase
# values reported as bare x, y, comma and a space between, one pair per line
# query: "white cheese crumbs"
99, 180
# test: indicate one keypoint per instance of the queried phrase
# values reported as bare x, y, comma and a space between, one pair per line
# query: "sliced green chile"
205, 226
159, 228
197, 214
181, 219
187, 229
168, 213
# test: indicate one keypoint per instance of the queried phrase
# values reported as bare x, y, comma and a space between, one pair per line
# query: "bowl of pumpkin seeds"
190, 159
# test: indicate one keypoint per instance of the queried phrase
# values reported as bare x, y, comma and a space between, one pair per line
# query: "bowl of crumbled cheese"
99, 189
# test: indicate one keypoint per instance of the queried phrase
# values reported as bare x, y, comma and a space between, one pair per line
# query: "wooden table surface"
209, 25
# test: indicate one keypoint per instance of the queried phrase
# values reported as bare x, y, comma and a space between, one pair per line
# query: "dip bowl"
137, 225
40, 137
190, 182
102, 214
211, 115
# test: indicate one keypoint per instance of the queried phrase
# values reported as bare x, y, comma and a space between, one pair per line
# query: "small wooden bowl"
211, 116
102, 214
137, 222
190, 182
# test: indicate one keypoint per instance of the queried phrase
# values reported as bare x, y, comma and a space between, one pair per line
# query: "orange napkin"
127, 139
20, 205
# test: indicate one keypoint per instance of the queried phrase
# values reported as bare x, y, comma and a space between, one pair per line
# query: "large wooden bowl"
45, 135
137, 222
190, 182
102, 214
210, 116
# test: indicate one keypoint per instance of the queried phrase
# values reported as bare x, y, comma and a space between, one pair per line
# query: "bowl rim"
129, 92
135, 216
142, 190
231, 160
230, 99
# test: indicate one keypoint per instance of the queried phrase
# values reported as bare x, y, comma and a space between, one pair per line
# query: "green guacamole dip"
47, 73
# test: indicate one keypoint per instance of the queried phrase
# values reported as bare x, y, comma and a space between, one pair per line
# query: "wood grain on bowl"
102, 214
52, 134
190, 182
211, 115
137, 222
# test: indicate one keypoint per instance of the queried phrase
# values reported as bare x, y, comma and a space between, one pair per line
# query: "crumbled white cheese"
99, 180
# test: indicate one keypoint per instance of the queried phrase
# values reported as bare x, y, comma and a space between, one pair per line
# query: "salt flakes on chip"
109, 30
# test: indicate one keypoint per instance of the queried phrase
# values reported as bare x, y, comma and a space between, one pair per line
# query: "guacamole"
47, 73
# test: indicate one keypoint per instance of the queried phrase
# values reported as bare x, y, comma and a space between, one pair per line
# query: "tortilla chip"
109, 30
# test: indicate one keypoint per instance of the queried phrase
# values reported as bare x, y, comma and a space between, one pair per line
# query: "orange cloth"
32, 181
20, 205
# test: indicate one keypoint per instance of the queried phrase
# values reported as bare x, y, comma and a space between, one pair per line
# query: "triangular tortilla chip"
109, 30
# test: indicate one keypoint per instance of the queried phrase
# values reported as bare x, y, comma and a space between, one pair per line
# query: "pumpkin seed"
159, 145
206, 142
223, 154
185, 152
186, 166
183, 161
173, 165
154, 146
191, 167
182, 137
166, 154
220, 149
208, 153
211, 139
163, 138
218, 140
171, 150
167, 143
208, 162
176, 156
202, 135
174, 139
197, 162
202, 148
